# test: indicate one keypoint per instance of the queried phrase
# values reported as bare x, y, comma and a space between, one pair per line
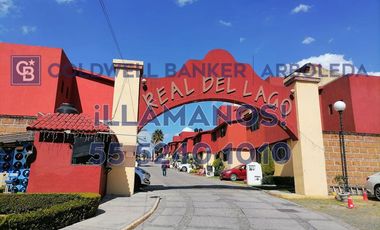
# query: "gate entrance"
218, 77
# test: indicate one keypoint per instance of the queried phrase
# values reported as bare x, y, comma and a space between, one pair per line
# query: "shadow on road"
162, 187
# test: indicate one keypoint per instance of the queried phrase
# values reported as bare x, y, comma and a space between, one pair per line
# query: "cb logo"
26, 70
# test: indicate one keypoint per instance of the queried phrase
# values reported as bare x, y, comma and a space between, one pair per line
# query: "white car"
185, 167
142, 178
176, 164
373, 185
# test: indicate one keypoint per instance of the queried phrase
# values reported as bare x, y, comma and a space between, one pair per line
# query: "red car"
236, 173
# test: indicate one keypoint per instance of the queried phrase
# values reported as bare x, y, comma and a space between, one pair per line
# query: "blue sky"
157, 32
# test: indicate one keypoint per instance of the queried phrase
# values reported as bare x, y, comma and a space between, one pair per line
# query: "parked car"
373, 185
176, 163
237, 173
142, 178
184, 167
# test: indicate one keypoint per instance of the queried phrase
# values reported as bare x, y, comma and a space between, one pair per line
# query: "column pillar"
120, 180
308, 154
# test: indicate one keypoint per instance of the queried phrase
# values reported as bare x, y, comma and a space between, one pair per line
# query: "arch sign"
218, 77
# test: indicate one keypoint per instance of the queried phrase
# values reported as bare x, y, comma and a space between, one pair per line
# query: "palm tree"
157, 137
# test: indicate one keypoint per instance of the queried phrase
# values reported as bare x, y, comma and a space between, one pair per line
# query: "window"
330, 109
197, 139
225, 155
62, 87
82, 147
184, 147
213, 136
67, 92
223, 130
255, 126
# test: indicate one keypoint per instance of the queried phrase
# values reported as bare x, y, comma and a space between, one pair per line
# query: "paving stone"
264, 213
212, 212
311, 216
256, 205
323, 224
215, 222
173, 211
170, 221
193, 202
210, 204
176, 204
283, 224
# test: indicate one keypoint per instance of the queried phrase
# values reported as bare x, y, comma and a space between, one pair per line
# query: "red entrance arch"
218, 77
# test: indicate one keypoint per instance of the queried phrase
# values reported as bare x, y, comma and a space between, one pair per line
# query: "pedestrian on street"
163, 167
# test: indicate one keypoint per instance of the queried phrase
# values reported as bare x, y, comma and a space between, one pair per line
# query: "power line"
106, 15
113, 34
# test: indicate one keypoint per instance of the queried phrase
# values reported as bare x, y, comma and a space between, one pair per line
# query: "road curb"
142, 218
296, 196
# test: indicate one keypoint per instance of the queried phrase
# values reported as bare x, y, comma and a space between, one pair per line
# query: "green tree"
157, 137
218, 165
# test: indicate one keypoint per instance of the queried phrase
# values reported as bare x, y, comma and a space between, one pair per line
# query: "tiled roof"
62, 122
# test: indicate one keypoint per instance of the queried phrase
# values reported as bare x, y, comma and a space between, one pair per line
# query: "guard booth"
254, 174
210, 171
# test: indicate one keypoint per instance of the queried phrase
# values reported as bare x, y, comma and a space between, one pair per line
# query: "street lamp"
340, 106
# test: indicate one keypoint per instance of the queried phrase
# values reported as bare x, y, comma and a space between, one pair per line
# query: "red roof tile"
62, 122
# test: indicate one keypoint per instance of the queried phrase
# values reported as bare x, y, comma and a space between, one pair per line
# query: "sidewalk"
119, 212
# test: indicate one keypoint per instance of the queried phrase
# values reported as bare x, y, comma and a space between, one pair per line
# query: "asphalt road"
194, 202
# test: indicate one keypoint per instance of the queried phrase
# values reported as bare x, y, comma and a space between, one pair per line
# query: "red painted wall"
365, 92
90, 92
28, 100
52, 171
59, 84
361, 95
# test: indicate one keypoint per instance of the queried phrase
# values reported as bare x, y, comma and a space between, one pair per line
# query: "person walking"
163, 167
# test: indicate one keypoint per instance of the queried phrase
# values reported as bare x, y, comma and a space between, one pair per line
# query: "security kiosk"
254, 174
210, 171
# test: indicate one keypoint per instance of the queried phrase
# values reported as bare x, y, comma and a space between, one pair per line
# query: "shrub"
19, 203
267, 180
194, 171
339, 179
267, 162
218, 165
69, 209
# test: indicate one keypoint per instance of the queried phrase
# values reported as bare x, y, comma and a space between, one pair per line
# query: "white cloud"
28, 29
242, 39
333, 62
328, 59
308, 40
301, 8
64, 1
338, 63
225, 23
182, 3
330, 40
5, 7
374, 73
